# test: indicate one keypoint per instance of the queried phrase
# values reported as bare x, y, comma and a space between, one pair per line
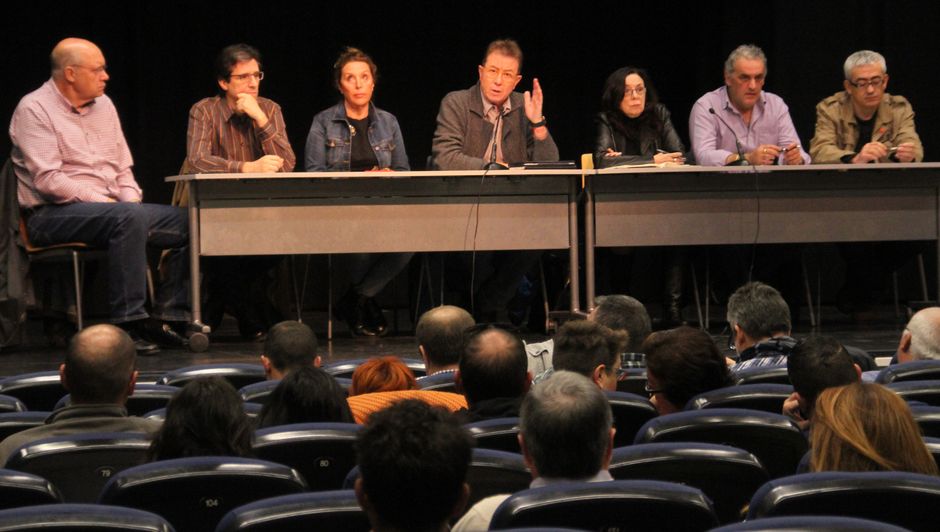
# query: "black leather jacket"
608, 137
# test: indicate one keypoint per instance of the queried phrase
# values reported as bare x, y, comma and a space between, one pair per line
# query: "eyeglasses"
651, 391
638, 91
244, 77
94, 70
864, 83
491, 73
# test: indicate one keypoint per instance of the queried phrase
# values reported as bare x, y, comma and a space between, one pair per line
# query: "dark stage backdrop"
160, 58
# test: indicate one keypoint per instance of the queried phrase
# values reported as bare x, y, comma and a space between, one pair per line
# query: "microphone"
493, 165
741, 160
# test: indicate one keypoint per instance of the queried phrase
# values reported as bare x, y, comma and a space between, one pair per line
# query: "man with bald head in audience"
289, 345
921, 338
440, 336
493, 374
75, 184
99, 372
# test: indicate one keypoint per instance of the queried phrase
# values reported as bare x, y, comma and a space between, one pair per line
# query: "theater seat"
252, 410
321, 452
8, 403
774, 439
916, 370
928, 419
923, 391
146, 398
767, 397
727, 475
236, 374
79, 465
617, 505
762, 375
907, 500
815, 523
501, 434
630, 412
258, 392
345, 368
442, 382
337, 511
194, 493
38, 391
23, 489
80, 517
933, 445
13, 422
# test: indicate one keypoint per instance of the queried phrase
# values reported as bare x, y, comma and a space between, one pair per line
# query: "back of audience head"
100, 366
440, 336
205, 418
680, 364
306, 395
817, 363
590, 349
382, 374
759, 312
494, 365
921, 338
623, 313
413, 460
566, 427
866, 427
289, 345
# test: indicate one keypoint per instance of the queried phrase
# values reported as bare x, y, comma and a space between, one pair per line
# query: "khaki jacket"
837, 129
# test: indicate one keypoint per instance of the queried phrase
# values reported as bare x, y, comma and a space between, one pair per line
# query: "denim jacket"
329, 144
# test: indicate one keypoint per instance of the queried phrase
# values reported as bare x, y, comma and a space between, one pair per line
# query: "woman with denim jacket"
355, 135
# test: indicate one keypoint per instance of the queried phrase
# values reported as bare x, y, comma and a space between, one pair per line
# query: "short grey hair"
925, 337
565, 423
624, 313
759, 310
745, 51
863, 57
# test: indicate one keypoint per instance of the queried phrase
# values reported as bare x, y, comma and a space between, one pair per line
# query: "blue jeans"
125, 230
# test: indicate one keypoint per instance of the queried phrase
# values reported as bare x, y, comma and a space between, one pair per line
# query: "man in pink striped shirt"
75, 184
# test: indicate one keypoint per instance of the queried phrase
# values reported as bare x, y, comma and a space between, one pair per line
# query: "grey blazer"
463, 133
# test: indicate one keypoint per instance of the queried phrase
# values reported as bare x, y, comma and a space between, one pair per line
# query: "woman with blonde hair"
866, 427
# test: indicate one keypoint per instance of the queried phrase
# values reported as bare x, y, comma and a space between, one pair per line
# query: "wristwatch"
540, 123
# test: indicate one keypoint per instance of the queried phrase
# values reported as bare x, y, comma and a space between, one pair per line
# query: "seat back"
933, 445
337, 511
252, 410
928, 419
618, 505
321, 452
632, 380
727, 475
442, 382
907, 500
194, 493
146, 398
79, 465
915, 370
816, 523
258, 392
23, 489
774, 439
775, 374
38, 391
500, 433
80, 517
8, 403
13, 422
630, 411
767, 397
923, 391
345, 368
236, 374
492, 472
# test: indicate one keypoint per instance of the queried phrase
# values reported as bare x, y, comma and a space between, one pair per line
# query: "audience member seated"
382, 374
919, 341
99, 374
590, 349
616, 312
760, 326
306, 395
289, 345
566, 434
680, 364
816, 363
866, 427
440, 336
205, 418
493, 373
413, 461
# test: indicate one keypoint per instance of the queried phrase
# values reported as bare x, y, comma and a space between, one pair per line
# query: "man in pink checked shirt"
75, 184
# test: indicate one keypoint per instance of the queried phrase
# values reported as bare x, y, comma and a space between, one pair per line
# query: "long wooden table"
693, 205
353, 212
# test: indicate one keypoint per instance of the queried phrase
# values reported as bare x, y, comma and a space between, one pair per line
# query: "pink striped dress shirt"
66, 155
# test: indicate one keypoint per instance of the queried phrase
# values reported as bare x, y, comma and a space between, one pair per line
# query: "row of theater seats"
239, 494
